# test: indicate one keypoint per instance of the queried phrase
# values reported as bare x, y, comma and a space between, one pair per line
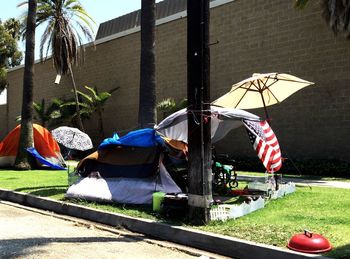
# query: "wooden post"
198, 94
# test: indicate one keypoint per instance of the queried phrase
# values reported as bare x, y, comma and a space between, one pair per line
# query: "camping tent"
223, 120
45, 150
124, 170
130, 169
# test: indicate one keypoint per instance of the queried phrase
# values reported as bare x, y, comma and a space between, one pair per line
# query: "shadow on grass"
49, 192
341, 252
44, 191
40, 187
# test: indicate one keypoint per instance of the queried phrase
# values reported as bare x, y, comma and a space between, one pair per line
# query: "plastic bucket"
157, 200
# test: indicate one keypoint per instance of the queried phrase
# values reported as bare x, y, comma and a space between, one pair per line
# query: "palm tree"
23, 159
64, 19
147, 100
47, 115
94, 103
336, 14
52, 114
13, 27
169, 106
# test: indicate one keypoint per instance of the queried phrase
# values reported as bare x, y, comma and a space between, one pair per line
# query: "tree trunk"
199, 122
147, 100
100, 125
80, 122
24, 160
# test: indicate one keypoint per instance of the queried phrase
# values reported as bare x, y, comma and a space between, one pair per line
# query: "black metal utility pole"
198, 94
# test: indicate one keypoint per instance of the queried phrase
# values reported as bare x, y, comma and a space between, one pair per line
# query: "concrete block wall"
253, 36
272, 36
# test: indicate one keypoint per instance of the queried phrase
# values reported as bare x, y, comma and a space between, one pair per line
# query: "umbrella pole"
265, 109
275, 176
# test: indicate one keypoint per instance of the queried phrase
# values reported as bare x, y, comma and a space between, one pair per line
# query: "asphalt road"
31, 233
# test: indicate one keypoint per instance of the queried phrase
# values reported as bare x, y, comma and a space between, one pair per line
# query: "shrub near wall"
315, 167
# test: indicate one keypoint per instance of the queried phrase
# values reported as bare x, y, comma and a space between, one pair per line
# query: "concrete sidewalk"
219, 244
57, 236
299, 181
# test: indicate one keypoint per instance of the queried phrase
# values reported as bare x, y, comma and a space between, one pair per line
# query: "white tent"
122, 189
223, 120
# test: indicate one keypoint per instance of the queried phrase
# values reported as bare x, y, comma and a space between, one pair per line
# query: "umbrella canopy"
72, 138
223, 120
261, 90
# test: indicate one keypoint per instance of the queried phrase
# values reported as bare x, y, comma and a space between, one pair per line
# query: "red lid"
309, 242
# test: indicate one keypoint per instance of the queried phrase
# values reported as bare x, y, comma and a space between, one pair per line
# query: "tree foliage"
93, 102
10, 55
66, 21
53, 114
335, 12
169, 106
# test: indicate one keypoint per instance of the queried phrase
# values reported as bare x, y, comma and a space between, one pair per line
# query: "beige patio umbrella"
261, 90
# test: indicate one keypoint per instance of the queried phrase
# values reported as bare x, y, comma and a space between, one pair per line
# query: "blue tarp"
137, 138
44, 161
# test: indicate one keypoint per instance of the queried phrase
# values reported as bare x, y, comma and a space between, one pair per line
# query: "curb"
219, 244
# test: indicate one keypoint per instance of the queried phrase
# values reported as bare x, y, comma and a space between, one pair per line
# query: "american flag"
265, 144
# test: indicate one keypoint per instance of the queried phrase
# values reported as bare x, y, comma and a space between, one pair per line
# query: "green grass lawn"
322, 210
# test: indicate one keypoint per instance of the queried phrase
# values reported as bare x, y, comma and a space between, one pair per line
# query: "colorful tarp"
137, 138
124, 169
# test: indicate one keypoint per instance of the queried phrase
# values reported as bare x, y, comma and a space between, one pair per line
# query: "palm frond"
84, 105
56, 114
66, 21
93, 91
166, 104
103, 97
86, 32
67, 104
300, 4
82, 16
337, 15
47, 36
85, 96
113, 90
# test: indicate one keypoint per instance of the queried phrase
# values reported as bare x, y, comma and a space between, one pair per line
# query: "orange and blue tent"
46, 150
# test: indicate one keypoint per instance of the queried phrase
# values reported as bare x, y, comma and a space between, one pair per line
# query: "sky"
100, 10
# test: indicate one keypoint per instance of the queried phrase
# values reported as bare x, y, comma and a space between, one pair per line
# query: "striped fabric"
265, 144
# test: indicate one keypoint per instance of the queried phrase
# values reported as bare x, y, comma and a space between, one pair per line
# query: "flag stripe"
265, 144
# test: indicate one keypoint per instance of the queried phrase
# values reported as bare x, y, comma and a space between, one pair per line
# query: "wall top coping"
161, 21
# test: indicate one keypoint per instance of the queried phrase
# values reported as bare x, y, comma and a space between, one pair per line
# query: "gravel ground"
25, 233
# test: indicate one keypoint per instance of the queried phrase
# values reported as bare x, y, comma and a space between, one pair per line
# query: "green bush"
317, 167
